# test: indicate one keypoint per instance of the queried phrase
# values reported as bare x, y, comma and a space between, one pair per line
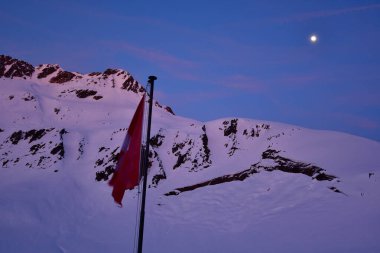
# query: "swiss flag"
126, 175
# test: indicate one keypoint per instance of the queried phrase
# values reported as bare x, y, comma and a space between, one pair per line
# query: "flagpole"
144, 173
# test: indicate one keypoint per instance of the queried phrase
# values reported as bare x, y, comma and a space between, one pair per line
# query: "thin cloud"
362, 122
24, 23
362, 98
154, 56
327, 13
298, 80
243, 82
176, 66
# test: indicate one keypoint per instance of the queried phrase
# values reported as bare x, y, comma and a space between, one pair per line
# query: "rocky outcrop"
130, 84
46, 70
255, 131
36, 148
282, 164
62, 77
240, 176
169, 110
287, 165
109, 72
108, 161
85, 93
10, 68
166, 108
230, 130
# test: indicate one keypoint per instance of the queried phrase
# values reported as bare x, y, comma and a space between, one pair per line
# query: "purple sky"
221, 58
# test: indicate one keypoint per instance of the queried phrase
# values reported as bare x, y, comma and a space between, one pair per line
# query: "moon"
313, 38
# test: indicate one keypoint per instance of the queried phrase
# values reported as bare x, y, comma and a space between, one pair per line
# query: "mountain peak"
55, 74
11, 67
52, 73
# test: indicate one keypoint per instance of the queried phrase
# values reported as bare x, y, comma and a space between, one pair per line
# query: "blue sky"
216, 59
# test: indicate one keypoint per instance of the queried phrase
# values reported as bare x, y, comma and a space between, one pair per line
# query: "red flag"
126, 175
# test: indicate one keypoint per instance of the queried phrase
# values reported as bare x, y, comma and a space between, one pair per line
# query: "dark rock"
50, 69
283, 164
95, 74
287, 165
206, 149
103, 148
177, 146
85, 93
4, 61
108, 164
157, 178
42, 159
168, 109
322, 177
104, 174
81, 148
32, 134
157, 104
36, 134
34, 149
16, 137
29, 98
62, 77
334, 189
269, 154
59, 149
5, 162
18, 68
182, 158
114, 156
130, 84
99, 162
240, 176
62, 132
251, 133
101, 175
97, 97
230, 129
157, 140
108, 72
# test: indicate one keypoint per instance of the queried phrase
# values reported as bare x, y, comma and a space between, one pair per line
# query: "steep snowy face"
212, 185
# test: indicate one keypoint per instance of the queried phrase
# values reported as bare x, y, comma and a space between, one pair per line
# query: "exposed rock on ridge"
282, 164
53, 73
10, 67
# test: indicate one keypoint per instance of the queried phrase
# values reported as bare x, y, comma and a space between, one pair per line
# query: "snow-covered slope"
230, 185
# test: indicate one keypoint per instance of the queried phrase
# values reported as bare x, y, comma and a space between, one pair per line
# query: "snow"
271, 211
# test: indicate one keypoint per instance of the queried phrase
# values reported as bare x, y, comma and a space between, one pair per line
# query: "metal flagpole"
144, 173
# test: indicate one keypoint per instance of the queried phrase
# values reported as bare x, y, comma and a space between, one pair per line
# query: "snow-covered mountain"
229, 185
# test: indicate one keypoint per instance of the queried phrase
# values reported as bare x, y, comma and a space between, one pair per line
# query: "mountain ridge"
54, 74
212, 185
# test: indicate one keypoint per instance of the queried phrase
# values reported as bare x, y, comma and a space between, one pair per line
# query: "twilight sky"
217, 59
